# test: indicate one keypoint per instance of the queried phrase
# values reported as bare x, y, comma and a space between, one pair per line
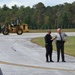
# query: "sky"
30, 3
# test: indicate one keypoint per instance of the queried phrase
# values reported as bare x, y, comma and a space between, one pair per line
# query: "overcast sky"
30, 3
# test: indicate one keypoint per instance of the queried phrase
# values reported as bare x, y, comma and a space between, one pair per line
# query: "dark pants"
48, 52
60, 48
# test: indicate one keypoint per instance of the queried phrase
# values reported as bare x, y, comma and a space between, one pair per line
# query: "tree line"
40, 16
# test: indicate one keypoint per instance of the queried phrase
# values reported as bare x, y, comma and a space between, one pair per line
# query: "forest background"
40, 16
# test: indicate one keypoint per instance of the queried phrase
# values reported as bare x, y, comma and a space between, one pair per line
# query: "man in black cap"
48, 46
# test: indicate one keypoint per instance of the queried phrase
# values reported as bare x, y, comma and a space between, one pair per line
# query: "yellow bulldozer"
14, 27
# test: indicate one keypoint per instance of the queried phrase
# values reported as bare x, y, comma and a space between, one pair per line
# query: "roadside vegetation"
53, 30
69, 45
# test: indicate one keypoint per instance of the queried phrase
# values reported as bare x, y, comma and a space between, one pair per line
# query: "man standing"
48, 46
60, 40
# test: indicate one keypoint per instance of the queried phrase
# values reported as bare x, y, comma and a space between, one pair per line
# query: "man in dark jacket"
48, 46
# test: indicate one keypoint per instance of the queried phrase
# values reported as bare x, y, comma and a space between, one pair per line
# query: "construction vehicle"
14, 27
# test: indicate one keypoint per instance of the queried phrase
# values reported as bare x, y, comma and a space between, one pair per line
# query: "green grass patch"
53, 30
69, 44
39, 41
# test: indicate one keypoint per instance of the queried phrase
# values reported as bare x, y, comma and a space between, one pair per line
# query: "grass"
53, 30
69, 45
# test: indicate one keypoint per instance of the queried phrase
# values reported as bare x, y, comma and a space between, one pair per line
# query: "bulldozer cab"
16, 22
